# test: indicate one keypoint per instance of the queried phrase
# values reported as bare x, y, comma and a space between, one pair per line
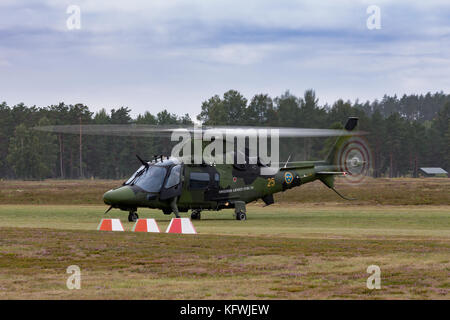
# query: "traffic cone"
181, 225
146, 225
110, 225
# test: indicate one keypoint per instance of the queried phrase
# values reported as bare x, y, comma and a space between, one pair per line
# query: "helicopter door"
174, 184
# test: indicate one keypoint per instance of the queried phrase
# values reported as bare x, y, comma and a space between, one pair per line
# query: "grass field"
290, 250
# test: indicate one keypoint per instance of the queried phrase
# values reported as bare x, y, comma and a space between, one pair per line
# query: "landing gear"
239, 210
174, 207
196, 215
241, 216
133, 216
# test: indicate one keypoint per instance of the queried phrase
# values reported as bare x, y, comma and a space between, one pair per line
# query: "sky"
174, 54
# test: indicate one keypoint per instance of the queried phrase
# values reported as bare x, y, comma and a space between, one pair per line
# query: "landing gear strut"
133, 216
196, 215
173, 205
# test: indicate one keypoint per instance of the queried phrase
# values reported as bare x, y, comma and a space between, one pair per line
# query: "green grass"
277, 220
282, 251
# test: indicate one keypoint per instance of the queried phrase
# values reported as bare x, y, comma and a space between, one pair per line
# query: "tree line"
404, 133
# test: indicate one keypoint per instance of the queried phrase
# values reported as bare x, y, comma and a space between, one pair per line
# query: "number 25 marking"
270, 182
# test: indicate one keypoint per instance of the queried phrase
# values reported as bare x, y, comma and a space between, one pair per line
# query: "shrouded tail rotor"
351, 154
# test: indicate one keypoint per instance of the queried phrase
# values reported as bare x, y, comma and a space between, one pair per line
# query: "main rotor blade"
218, 132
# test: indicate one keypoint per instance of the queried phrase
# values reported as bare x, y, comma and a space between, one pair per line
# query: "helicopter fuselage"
210, 187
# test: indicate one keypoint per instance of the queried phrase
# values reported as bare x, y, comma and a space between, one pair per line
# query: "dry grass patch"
397, 191
128, 265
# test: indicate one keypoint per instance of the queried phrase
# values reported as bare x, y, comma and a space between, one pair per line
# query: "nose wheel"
133, 216
196, 215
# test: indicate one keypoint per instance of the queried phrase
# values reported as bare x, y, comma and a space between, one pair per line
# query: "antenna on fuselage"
285, 165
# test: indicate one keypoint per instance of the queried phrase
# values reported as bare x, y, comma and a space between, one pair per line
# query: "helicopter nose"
122, 195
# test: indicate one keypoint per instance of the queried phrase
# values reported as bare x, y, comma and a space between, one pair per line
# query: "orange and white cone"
110, 225
181, 225
146, 225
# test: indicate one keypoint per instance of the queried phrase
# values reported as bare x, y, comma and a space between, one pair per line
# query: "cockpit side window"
198, 180
174, 177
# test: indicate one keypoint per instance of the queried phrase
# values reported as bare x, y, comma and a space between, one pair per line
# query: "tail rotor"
351, 155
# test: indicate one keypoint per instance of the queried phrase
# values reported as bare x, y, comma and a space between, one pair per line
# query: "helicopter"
173, 184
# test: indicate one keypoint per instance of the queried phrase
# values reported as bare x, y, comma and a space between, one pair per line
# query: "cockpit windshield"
151, 180
134, 175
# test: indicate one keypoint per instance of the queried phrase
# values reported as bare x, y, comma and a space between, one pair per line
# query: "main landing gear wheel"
241, 216
196, 215
133, 216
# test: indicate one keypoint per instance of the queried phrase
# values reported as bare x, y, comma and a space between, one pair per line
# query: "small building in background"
433, 172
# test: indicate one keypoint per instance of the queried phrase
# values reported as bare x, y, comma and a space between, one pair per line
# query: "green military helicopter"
170, 184
175, 185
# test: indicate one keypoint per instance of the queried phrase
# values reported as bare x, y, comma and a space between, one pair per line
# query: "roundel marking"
288, 177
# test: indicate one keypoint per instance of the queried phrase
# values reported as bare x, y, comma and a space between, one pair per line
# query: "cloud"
175, 53
4, 63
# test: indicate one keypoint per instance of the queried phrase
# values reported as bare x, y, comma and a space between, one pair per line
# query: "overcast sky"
174, 54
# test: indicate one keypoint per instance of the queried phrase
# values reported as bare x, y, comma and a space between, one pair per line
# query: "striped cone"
146, 225
181, 225
110, 225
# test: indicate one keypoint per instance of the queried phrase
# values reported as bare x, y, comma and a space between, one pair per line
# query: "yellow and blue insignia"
288, 177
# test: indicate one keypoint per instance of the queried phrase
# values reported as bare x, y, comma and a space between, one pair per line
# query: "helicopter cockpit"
152, 177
